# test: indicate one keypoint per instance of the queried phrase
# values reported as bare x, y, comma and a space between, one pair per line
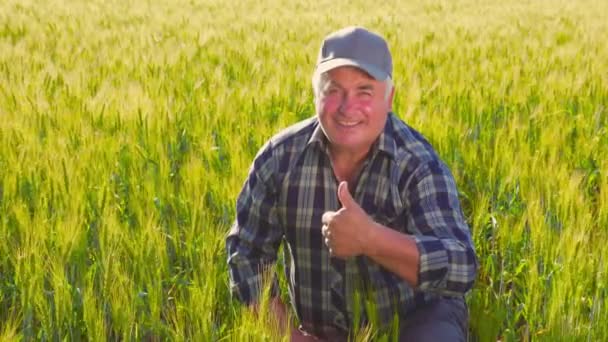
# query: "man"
367, 211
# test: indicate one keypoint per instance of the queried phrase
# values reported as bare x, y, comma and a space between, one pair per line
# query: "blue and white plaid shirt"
402, 185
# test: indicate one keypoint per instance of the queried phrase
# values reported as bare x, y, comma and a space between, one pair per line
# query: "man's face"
352, 109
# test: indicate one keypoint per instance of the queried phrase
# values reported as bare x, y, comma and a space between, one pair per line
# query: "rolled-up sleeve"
448, 263
255, 236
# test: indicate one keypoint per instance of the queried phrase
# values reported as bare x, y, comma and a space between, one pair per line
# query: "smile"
347, 123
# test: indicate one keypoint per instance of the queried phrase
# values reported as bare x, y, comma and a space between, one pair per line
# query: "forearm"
395, 251
427, 263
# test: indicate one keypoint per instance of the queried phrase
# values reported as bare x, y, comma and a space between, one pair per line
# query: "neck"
347, 163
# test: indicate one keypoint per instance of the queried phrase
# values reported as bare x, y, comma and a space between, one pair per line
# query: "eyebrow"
366, 86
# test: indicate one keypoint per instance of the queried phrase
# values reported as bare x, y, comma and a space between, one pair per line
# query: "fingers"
328, 244
327, 237
326, 234
329, 248
327, 217
325, 230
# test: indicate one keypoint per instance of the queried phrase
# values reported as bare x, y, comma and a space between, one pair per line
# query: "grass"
127, 129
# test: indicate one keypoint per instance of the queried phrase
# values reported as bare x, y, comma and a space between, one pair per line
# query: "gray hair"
319, 80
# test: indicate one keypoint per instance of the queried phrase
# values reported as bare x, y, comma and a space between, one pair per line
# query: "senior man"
367, 211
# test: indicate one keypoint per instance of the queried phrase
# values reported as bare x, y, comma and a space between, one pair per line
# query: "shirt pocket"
388, 210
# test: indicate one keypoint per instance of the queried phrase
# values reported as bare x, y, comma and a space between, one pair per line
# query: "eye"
365, 93
331, 91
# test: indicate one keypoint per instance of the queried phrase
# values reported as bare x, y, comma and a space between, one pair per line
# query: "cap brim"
340, 62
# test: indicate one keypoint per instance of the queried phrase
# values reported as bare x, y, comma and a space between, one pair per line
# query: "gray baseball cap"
358, 47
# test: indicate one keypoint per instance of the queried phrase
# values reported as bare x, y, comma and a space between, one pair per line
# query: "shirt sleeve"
448, 263
255, 236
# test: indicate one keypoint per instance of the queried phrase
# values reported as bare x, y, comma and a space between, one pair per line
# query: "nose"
346, 104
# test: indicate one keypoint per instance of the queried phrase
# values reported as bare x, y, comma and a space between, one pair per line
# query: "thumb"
344, 196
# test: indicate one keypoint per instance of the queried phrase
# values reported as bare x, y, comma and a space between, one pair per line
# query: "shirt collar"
386, 140
317, 136
384, 143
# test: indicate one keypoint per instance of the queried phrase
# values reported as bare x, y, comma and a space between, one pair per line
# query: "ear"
389, 101
345, 197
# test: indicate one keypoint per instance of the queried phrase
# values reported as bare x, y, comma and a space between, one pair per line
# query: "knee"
445, 319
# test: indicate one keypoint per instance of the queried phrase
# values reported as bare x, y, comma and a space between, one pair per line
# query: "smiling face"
352, 108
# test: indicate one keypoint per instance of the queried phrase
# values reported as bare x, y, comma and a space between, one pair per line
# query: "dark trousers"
446, 319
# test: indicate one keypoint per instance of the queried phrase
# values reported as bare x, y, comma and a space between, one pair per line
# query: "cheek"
329, 105
366, 106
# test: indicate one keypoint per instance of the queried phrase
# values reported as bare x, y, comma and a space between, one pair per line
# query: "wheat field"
127, 129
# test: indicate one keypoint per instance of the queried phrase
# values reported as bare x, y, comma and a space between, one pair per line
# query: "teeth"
348, 123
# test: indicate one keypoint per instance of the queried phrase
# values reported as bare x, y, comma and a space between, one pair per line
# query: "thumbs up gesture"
346, 231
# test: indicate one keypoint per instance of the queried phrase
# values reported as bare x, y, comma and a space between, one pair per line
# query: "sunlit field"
127, 129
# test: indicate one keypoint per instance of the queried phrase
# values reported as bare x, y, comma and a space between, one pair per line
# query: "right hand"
298, 336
